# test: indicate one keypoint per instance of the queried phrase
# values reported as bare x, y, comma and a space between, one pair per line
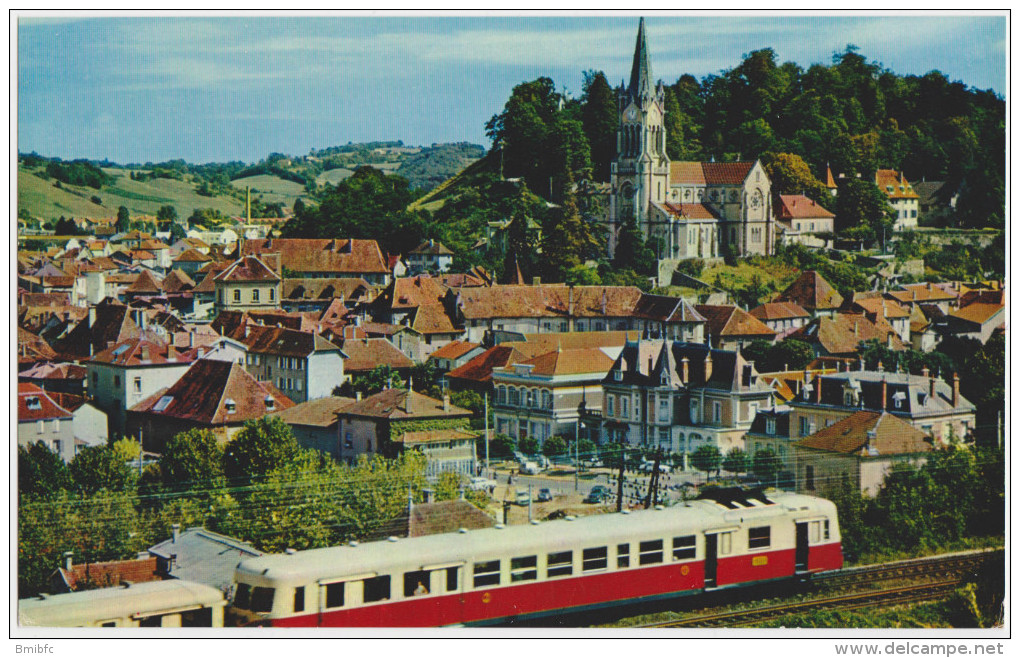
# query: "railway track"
948, 570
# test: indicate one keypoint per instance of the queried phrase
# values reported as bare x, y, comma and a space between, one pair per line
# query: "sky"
205, 88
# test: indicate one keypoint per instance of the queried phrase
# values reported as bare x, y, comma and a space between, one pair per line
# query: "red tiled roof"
779, 311
31, 345
431, 247
248, 268
879, 307
192, 255
978, 312
842, 333
812, 292
724, 321
709, 173
479, 369
434, 436
365, 354
316, 255
285, 342
62, 371
454, 350
178, 281
319, 413
570, 362
891, 436
798, 206
146, 283
393, 404
139, 352
412, 292
35, 404
923, 292
547, 301
689, 210
205, 393
432, 319
892, 184
322, 289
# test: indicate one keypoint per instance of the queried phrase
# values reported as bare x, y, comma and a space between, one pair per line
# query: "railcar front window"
335, 595
486, 573
684, 548
262, 599
523, 568
242, 598
594, 559
651, 552
622, 556
760, 537
377, 589
559, 564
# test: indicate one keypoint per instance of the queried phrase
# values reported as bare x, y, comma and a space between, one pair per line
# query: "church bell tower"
640, 174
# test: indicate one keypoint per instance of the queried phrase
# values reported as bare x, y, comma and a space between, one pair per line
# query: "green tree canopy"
260, 447
736, 461
554, 446
600, 120
192, 460
707, 458
863, 212
166, 215
100, 467
123, 220
765, 465
528, 445
41, 472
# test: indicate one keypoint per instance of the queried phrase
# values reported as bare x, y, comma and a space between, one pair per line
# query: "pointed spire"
641, 69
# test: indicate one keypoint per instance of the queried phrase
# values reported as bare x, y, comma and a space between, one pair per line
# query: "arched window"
547, 400
515, 396
501, 395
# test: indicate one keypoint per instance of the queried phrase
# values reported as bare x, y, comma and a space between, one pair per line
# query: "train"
504, 574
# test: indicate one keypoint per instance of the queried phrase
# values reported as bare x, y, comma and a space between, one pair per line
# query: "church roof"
709, 173
641, 69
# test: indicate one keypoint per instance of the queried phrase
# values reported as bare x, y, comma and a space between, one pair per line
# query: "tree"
41, 472
260, 447
789, 174
177, 232
707, 458
765, 465
736, 461
586, 448
789, 354
863, 212
166, 215
100, 467
123, 220
374, 381
599, 115
567, 241
554, 446
192, 460
631, 251
528, 445
502, 446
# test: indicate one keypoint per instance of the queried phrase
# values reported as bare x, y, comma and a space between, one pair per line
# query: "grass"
776, 274
45, 201
334, 176
272, 189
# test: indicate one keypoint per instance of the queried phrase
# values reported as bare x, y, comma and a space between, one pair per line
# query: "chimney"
888, 340
570, 309
881, 367
407, 398
247, 330
931, 387
176, 529
171, 351
201, 352
861, 362
885, 391
446, 402
855, 329
68, 560
956, 389
536, 280
818, 389
145, 352
650, 365
191, 339
357, 396
925, 371
92, 317
685, 370
708, 366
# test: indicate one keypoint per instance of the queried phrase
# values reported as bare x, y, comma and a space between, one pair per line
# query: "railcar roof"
448, 549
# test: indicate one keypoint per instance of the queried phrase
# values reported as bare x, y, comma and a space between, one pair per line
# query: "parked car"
481, 484
594, 497
602, 489
523, 497
544, 495
530, 468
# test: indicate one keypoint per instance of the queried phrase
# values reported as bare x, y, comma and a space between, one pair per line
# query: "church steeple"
641, 70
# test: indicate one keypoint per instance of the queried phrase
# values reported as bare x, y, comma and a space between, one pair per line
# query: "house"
801, 220
304, 366
813, 293
860, 450
32, 348
455, 354
126, 373
731, 327
672, 317
429, 256
41, 420
402, 296
89, 423
940, 294
934, 200
201, 556
213, 395
680, 396
781, 317
405, 339
978, 320
369, 426
318, 294
925, 401
366, 354
547, 394
879, 310
315, 423
325, 259
446, 450
431, 322
770, 432
73, 577
476, 374
56, 377
247, 284
841, 334
105, 325
901, 195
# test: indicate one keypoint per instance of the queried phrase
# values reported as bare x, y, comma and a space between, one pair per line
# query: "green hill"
272, 189
42, 199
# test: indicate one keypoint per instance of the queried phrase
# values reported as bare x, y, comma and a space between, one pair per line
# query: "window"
760, 537
56, 427
262, 599
237, 295
624, 407
825, 529
531, 397
770, 426
40, 426
523, 568
254, 294
663, 410
725, 543
684, 547
116, 381
547, 402
717, 412
560, 564
664, 437
377, 589
416, 583
299, 599
501, 395
57, 445
515, 397
650, 552
138, 384
451, 579
809, 478
594, 559
272, 294
610, 405
622, 556
804, 426
335, 595
486, 573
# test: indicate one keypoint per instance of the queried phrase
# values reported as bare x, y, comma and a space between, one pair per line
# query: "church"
695, 209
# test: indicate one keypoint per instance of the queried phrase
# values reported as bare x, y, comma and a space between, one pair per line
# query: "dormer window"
898, 399
618, 375
230, 406
770, 426
270, 403
33, 402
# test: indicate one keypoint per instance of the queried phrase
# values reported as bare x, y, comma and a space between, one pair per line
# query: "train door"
711, 559
801, 553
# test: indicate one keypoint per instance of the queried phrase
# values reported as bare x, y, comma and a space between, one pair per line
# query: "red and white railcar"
492, 575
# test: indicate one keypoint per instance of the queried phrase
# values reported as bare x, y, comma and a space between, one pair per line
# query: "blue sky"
237, 88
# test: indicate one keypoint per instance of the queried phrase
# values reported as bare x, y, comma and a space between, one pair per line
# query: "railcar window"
486, 573
559, 564
451, 579
198, 618
650, 552
815, 529
594, 559
377, 589
155, 621
416, 583
760, 537
725, 543
242, 598
335, 595
108, 624
825, 529
262, 599
523, 568
299, 599
684, 547
622, 556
